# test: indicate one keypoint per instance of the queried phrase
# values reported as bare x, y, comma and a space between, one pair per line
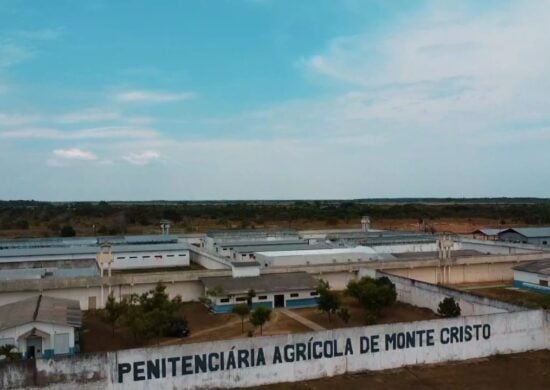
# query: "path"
302, 320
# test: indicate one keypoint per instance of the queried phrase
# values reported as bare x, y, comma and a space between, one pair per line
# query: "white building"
41, 326
317, 256
533, 276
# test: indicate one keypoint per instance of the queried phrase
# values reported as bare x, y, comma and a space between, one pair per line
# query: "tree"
242, 311
68, 231
344, 315
327, 300
9, 353
448, 308
249, 295
373, 294
260, 316
113, 311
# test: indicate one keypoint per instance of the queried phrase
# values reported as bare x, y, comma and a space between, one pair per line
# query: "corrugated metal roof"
270, 283
489, 232
288, 247
243, 264
90, 251
538, 267
41, 309
241, 243
531, 232
332, 251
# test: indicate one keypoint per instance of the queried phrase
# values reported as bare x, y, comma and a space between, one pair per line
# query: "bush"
448, 308
68, 231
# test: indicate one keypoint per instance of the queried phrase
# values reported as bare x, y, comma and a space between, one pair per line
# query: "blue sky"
241, 99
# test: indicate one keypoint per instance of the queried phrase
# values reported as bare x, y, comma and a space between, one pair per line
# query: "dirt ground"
529, 370
399, 312
206, 326
531, 299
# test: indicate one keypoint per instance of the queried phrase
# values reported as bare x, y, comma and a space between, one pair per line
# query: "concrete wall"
299, 357
150, 259
430, 295
531, 281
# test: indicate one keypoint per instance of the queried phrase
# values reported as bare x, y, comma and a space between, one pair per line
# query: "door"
91, 303
34, 347
279, 300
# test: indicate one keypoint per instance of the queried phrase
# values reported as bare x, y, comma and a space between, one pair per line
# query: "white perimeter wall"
509, 333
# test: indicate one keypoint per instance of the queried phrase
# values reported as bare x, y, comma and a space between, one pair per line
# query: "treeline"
114, 218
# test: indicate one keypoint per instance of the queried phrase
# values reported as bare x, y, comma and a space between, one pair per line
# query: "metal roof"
241, 243
530, 232
250, 233
489, 232
331, 251
539, 267
270, 283
287, 247
90, 251
41, 308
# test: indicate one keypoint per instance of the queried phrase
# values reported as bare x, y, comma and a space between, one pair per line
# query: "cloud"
88, 115
45, 34
98, 133
16, 119
74, 154
141, 96
142, 158
12, 53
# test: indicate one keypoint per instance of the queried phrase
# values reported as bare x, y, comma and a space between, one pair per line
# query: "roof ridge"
37, 307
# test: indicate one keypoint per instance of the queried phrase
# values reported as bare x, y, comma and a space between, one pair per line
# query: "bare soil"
530, 370
531, 299
399, 312
207, 326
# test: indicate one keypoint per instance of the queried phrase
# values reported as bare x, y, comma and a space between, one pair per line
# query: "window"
146, 257
170, 255
294, 295
240, 299
224, 300
133, 257
314, 293
61, 343
120, 257
262, 297
543, 283
7, 341
545, 243
182, 255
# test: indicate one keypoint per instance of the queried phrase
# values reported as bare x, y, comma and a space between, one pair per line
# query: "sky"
274, 99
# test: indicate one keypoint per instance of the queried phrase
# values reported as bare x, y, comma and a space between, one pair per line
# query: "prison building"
533, 276
531, 235
486, 234
124, 257
227, 248
214, 239
292, 290
20, 270
41, 326
60, 242
318, 256
243, 253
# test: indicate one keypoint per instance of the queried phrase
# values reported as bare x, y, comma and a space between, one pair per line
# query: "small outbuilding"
529, 235
534, 275
293, 290
41, 326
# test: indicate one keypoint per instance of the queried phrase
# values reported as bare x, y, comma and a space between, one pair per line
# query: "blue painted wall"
531, 286
305, 302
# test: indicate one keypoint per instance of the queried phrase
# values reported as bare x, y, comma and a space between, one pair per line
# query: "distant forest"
53, 218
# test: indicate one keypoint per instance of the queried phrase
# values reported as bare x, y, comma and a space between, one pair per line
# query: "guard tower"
165, 226
365, 223
444, 247
105, 258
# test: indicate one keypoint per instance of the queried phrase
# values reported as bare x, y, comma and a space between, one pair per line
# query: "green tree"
260, 316
68, 231
10, 352
344, 315
242, 311
327, 300
113, 311
373, 295
249, 295
448, 308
